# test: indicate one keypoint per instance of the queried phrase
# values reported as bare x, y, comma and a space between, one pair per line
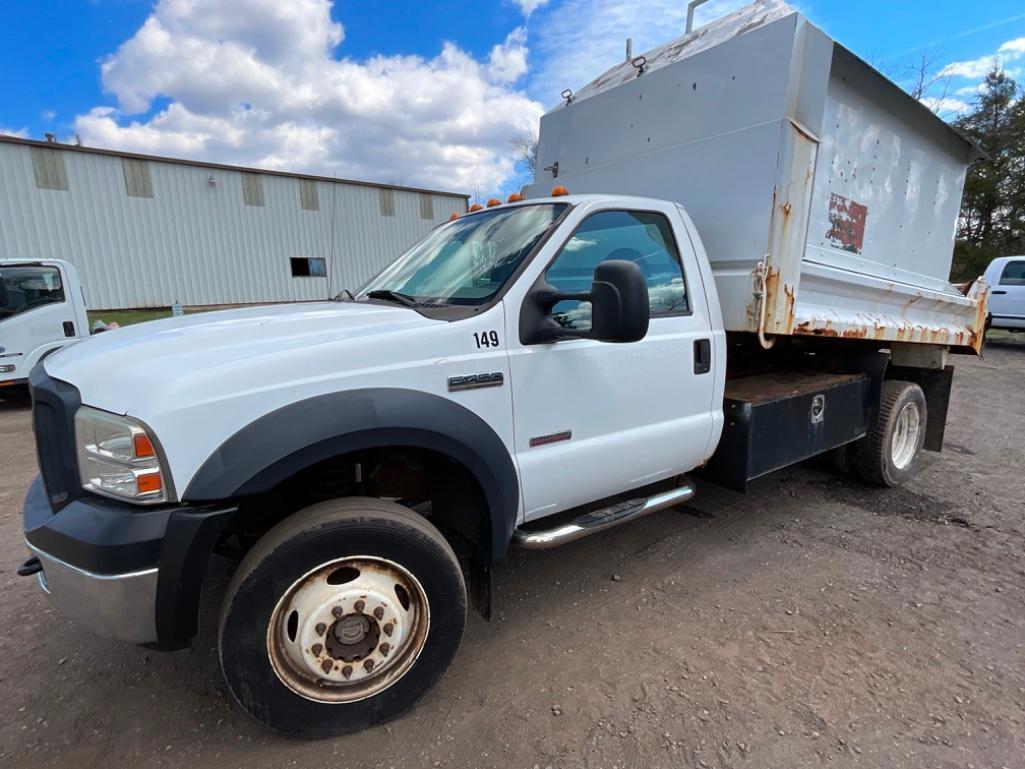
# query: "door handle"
999, 292
702, 356
69, 328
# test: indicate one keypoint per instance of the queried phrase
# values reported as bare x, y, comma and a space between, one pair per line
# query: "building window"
252, 189
308, 267
138, 183
308, 195
48, 165
426, 206
387, 199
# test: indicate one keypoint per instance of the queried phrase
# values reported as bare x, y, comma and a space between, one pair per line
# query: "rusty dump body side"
827, 198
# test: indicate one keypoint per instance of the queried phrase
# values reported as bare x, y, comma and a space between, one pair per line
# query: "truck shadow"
16, 404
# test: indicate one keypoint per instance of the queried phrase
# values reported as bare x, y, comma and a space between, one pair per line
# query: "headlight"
117, 457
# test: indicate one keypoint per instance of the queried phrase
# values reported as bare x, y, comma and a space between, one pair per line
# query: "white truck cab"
42, 309
528, 374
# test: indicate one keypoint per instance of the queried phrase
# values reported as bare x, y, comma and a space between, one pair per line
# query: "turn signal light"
515, 198
143, 446
558, 192
476, 207
147, 483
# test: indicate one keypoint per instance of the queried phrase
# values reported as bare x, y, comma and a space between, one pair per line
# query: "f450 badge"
474, 381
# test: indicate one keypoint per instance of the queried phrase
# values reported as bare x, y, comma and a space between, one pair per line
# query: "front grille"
53, 412
44, 418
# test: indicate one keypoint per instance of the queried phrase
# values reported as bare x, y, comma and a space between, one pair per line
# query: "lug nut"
368, 665
347, 671
338, 611
388, 629
360, 605
326, 666
385, 648
379, 612
317, 649
321, 628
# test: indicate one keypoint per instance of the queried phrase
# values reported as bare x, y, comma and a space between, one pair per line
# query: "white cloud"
508, 61
1015, 47
21, 133
580, 39
262, 82
529, 6
970, 90
975, 69
945, 107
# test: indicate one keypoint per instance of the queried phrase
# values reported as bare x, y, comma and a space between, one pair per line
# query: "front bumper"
119, 606
129, 573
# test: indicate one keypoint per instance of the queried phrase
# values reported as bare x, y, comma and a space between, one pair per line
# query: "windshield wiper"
344, 296
392, 296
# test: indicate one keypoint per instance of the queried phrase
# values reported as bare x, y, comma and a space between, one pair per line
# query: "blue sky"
393, 90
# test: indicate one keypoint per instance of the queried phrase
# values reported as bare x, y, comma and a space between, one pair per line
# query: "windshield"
27, 287
467, 261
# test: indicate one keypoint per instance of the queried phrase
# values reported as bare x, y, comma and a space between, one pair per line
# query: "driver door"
594, 419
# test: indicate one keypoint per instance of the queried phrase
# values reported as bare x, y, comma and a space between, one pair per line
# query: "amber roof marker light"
558, 192
515, 198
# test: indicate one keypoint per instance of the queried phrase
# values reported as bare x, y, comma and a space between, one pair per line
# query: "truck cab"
523, 362
42, 309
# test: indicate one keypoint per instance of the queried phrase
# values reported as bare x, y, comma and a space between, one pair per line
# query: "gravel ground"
811, 621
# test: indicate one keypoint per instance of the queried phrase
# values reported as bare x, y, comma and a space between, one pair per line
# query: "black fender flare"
279, 444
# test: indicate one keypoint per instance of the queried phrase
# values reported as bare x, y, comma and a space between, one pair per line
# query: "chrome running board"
599, 520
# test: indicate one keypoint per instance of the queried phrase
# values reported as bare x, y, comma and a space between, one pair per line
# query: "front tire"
341, 617
888, 455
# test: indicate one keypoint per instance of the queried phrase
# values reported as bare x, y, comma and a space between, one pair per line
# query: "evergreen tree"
993, 208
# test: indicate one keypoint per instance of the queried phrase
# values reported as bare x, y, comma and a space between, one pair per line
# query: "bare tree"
923, 77
525, 147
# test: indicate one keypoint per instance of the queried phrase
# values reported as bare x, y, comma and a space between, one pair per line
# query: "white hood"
118, 370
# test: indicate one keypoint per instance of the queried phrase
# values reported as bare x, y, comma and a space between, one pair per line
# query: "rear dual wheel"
888, 455
341, 617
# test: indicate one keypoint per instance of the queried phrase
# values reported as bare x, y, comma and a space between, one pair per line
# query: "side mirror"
619, 307
619, 302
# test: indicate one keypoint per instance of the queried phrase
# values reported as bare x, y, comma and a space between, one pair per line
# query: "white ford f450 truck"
756, 275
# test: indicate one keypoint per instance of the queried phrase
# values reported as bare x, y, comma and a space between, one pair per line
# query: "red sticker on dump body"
846, 223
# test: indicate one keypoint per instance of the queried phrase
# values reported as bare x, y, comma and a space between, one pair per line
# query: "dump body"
827, 198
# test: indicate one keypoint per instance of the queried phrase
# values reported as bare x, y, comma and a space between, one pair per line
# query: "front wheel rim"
348, 629
906, 432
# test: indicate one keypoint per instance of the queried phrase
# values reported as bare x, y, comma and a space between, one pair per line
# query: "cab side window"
641, 237
1013, 274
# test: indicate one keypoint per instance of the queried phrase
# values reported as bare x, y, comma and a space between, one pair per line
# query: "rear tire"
341, 617
888, 455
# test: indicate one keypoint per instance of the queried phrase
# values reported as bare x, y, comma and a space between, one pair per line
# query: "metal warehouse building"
150, 231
